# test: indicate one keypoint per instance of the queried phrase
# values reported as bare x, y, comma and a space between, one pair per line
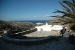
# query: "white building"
49, 27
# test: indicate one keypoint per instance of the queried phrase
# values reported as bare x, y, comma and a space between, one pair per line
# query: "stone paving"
61, 44
43, 34
66, 34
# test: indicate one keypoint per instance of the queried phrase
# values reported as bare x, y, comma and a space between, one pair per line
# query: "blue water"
33, 21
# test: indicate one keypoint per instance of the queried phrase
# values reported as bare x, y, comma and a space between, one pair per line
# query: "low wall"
21, 33
36, 41
17, 39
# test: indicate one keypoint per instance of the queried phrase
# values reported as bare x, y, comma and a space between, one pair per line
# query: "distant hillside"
59, 21
5, 25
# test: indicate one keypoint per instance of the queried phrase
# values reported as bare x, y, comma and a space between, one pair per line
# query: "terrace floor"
61, 44
43, 34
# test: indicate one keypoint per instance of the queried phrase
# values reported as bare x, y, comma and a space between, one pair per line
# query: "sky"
28, 9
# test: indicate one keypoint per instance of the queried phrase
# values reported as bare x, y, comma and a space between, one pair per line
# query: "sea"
33, 21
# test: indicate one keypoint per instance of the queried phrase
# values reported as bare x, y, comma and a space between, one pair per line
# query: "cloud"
34, 16
47, 15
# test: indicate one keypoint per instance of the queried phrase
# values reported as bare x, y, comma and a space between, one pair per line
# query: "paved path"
42, 34
66, 34
62, 44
